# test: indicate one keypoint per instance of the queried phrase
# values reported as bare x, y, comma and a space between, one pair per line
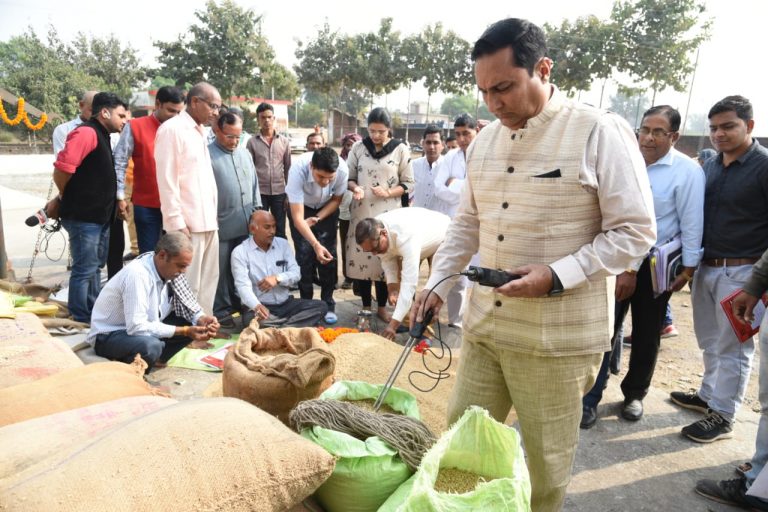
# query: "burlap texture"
72, 389
275, 369
28, 352
201, 455
27, 442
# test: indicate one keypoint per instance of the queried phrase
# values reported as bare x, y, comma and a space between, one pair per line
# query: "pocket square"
551, 174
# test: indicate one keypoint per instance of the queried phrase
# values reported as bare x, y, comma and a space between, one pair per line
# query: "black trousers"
291, 313
276, 205
326, 233
362, 288
116, 247
647, 319
343, 230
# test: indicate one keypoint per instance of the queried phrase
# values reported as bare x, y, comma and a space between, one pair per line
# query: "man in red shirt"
137, 141
84, 173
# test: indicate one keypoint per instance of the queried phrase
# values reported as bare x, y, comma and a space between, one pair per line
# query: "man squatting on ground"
556, 192
149, 309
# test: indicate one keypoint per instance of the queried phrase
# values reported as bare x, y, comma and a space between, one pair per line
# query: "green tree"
660, 36
36, 71
444, 61
117, 65
224, 47
461, 103
630, 104
281, 81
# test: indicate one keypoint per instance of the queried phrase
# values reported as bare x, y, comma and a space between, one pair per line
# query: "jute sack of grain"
488, 457
217, 454
275, 369
370, 358
27, 442
28, 352
74, 388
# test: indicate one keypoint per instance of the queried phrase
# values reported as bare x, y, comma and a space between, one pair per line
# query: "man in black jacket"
84, 173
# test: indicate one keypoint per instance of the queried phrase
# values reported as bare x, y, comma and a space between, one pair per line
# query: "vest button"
498, 303
505, 205
510, 169
501, 238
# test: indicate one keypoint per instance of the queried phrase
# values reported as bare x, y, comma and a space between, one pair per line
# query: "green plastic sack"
367, 472
479, 444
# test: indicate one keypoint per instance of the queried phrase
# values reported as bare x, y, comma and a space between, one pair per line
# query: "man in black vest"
84, 173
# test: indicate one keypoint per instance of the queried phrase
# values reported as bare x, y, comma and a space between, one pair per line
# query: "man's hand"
199, 335
682, 279
268, 283
390, 331
380, 191
424, 301
186, 232
449, 181
122, 209
262, 313
358, 193
311, 221
211, 323
393, 292
323, 255
52, 208
536, 281
743, 307
625, 285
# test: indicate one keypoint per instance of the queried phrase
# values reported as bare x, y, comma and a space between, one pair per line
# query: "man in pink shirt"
187, 187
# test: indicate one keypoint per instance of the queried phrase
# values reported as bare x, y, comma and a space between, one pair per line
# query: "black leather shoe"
632, 410
588, 417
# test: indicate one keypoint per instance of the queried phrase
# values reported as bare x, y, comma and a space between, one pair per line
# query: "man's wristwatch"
278, 278
557, 285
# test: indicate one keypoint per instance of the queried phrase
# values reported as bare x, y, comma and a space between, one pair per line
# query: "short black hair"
738, 104
672, 115
227, 118
450, 138
169, 94
263, 107
527, 41
108, 100
465, 120
432, 128
237, 111
325, 159
315, 134
380, 115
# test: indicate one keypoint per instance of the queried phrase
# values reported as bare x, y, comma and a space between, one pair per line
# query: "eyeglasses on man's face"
212, 106
656, 133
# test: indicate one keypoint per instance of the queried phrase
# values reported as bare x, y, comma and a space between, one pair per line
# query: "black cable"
51, 229
440, 374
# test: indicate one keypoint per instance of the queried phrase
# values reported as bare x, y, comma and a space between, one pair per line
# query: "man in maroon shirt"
84, 173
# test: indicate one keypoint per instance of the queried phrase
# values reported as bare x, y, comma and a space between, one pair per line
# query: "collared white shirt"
60, 133
303, 189
453, 166
677, 184
414, 234
136, 300
251, 264
424, 176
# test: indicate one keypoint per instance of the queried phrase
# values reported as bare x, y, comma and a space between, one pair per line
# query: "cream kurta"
389, 171
591, 222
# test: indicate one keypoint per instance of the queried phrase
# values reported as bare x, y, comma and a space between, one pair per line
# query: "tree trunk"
426, 119
408, 114
602, 92
653, 99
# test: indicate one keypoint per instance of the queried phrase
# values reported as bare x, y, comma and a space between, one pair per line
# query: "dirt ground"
679, 366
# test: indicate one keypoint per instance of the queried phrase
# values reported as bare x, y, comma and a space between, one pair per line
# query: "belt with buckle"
729, 262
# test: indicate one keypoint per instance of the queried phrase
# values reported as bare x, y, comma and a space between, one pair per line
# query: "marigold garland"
21, 115
329, 334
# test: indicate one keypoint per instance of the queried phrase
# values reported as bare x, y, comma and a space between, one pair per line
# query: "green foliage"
630, 104
660, 36
458, 104
280, 79
444, 61
107, 59
226, 48
39, 72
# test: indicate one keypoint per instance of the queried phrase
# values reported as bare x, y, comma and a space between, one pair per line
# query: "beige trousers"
546, 393
203, 273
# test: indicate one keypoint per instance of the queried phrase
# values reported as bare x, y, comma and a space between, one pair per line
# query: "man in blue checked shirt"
264, 268
316, 184
149, 309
